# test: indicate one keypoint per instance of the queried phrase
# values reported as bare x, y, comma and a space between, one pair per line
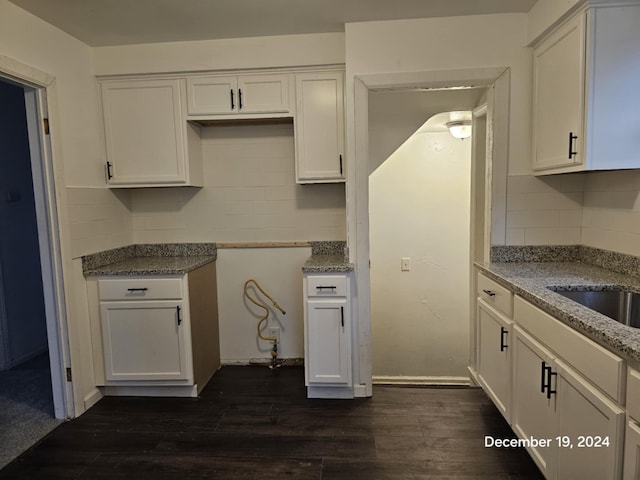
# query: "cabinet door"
632, 451
144, 133
532, 412
582, 411
212, 95
494, 356
144, 340
263, 94
558, 98
319, 125
328, 354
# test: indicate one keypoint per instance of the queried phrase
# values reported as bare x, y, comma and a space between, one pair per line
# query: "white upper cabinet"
253, 96
586, 72
319, 126
148, 142
558, 98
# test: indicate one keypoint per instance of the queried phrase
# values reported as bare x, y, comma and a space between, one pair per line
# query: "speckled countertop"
327, 257
531, 279
149, 259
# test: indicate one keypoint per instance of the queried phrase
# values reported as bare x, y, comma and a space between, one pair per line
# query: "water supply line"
257, 302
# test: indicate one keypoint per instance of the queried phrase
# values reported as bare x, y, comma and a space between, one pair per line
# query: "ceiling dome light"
460, 129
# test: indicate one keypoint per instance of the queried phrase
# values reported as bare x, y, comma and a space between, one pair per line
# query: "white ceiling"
122, 22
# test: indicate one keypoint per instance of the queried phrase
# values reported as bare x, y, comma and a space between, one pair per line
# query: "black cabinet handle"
326, 287
549, 375
109, 175
178, 311
341, 165
232, 104
489, 292
543, 376
503, 345
143, 289
240, 98
342, 316
572, 137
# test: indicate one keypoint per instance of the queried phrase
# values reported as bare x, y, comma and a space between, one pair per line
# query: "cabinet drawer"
495, 294
327, 286
140, 288
633, 394
603, 368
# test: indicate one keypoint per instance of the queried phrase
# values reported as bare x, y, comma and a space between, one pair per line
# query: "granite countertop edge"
327, 264
178, 265
531, 279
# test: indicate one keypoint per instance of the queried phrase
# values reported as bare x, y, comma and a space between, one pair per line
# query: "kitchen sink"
621, 305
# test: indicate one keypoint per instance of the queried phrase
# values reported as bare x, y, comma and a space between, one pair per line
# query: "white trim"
93, 397
155, 391
421, 381
315, 391
358, 175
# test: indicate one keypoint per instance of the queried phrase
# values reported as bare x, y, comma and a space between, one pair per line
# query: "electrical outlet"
405, 264
275, 333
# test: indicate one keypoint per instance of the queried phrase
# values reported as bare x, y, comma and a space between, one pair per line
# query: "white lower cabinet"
329, 355
632, 451
532, 415
327, 335
552, 401
145, 341
632, 434
494, 332
158, 335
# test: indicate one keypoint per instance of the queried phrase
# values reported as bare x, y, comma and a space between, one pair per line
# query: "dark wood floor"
253, 423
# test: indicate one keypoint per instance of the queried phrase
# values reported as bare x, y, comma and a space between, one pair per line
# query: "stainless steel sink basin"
622, 306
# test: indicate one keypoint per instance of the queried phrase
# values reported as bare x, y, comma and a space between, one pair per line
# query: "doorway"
33, 394
496, 81
419, 222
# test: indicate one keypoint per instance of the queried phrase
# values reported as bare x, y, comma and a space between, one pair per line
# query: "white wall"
249, 195
451, 43
419, 208
544, 210
611, 211
227, 54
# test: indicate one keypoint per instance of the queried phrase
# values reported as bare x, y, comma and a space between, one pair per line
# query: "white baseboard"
91, 398
405, 380
154, 391
329, 392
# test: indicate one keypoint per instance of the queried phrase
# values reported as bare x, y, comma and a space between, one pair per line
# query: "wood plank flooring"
254, 423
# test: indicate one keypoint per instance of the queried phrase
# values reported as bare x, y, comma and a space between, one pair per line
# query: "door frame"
497, 80
40, 95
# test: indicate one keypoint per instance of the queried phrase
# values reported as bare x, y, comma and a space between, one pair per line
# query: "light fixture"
460, 128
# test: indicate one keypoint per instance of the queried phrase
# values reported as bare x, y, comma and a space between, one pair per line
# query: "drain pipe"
257, 302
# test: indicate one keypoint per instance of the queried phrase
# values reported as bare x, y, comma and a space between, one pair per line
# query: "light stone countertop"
150, 259
153, 266
327, 264
530, 281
